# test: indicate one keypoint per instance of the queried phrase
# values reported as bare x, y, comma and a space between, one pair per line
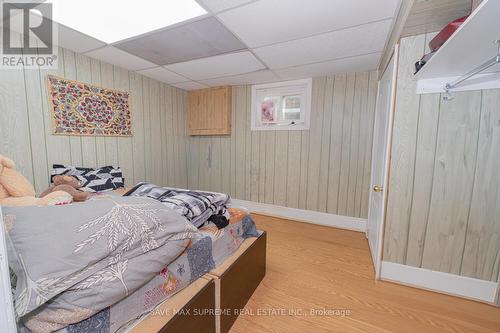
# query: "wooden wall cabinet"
209, 111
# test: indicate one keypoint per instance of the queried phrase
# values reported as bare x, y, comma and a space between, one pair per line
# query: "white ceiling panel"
120, 58
191, 85
76, 41
362, 39
271, 21
218, 66
63, 37
116, 20
194, 40
257, 77
348, 65
162, 74
220, 5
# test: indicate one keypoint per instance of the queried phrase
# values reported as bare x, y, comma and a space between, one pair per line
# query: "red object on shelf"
446, 33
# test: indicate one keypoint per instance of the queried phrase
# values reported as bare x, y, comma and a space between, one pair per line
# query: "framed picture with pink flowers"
79, 108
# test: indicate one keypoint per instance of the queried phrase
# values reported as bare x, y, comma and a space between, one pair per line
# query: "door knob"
377, 188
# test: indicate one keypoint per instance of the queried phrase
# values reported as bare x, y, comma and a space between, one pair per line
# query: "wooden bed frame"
177, 313
225, 290
236, 280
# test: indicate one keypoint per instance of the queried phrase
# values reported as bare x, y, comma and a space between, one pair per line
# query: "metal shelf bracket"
450, 85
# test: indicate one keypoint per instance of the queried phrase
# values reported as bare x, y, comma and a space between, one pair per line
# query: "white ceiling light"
114, 20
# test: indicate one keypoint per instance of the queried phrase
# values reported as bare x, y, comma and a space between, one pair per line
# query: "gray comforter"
73, 261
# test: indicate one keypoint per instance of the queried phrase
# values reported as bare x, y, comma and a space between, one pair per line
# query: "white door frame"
7, 317
378, 263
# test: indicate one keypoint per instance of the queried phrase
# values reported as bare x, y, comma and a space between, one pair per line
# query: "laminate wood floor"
327, 269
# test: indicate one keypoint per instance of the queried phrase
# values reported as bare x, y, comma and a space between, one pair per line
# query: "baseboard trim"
302, 215
450, 284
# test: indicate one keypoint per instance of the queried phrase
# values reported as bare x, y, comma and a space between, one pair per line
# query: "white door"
380, 161
7, 318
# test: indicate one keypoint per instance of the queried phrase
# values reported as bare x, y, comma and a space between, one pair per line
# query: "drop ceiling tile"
218, 66
263, 76
120, 58
349, 65
116, 20
271, 21
76, 41
198, 39
220, 5
191, 85
162, 74
64, 36
359, 40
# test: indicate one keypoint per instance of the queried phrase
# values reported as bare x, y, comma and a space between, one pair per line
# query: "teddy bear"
16, 190
67, 184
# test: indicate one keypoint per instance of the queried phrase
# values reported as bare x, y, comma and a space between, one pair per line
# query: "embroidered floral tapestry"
83, 109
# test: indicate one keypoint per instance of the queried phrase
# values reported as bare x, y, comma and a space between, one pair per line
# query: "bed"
201, 257
220, 268
225, 289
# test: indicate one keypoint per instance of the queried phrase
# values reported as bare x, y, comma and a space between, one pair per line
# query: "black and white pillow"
103, 179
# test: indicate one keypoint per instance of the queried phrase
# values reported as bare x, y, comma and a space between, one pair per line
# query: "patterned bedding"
196, 206
72, 261
209, 250
102, 179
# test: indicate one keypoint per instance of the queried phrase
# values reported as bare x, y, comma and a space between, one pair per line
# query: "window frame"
283, 88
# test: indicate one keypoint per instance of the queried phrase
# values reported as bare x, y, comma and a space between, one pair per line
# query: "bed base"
191, 310
220, 295
193, 317
236, 280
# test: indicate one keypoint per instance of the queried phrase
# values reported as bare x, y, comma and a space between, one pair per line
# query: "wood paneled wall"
444, 188
156, 152
326, 168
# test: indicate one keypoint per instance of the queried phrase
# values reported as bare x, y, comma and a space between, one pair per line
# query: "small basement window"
281, 105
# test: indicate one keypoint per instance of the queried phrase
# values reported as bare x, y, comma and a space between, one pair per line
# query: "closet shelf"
474, 43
